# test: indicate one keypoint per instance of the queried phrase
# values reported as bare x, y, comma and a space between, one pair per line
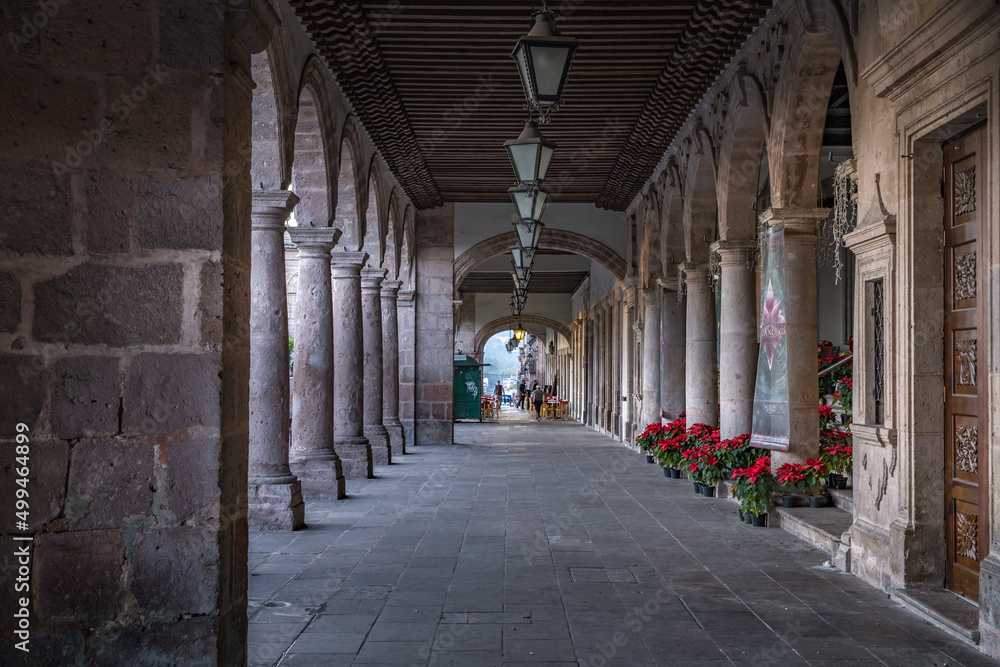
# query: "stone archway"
551, 239
490, 329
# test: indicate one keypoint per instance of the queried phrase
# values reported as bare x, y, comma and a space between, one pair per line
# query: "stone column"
405, 313
390, 366
801, 330
348, 368
738, 337
313, 457
701, 388
650, 356
274, 494
673, 333
371, 309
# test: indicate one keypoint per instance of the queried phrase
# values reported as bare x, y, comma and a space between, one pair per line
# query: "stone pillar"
800, 330
348, 368
274, 493
435, 326
313, 456
371, 309
738, 337
406, 316
701, 377
390, 366
650, 356
673, 333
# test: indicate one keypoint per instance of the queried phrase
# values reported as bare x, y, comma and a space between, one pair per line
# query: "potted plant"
843, 393
815, 472
737, 452
792, 478
838, 455
647, 441
669, 453
752, 487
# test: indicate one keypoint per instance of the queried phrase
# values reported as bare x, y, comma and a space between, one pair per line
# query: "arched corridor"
252, 254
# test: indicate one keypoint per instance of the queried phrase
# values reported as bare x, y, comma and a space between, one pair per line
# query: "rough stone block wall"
435, 326
122, 201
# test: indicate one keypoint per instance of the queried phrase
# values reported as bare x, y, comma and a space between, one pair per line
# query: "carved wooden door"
965, 428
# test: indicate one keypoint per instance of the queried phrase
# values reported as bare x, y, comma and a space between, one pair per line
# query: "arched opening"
351, 189
309, 169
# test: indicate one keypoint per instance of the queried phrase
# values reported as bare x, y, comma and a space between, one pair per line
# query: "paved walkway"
546, 543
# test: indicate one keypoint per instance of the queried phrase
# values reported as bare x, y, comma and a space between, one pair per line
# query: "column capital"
372, 277
313, 241
695, 272
734, 252
390, 288
348, 262
271, 208
796, 220
406, 298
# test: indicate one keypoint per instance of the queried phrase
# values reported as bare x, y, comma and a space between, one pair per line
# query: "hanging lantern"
543, 58
528, 233
530, 155
518, 281
529, 203
519, 332
523, 257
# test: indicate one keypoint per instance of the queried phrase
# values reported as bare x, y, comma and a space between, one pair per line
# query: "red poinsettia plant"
807, 477
791, 476
827, 418
843, 393
670, 451
702, 464
737, 452
752, 485
650, 437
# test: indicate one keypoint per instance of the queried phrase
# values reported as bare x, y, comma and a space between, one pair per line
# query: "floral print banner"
770, 401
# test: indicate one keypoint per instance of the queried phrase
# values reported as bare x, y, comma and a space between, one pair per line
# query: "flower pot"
666, 472
845, 418
760, 521
790, 501
748, 517
650, 458
708, 491
697, 487
817, 501
841, 482
675, 473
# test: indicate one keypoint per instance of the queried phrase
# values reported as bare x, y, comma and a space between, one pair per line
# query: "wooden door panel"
965, 483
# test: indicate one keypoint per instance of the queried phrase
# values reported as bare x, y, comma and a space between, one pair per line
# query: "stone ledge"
822, 526
944, 609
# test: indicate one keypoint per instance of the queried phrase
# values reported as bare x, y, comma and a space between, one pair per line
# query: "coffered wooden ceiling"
435, 86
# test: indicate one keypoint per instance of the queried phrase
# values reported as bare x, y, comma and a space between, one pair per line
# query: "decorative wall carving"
965, 190
967, 535
967, 448
965, 276
965, 361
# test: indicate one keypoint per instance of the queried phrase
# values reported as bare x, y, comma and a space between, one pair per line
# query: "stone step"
843, 498
822, 526
944, 609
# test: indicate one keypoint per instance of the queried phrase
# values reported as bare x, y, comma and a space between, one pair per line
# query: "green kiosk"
468, 388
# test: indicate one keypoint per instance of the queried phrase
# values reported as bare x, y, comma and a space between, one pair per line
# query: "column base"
356, 455
989, 606
378, 438
397, 439
275, 506
324, 472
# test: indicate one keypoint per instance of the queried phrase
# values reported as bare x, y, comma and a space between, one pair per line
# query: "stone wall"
435, 326
124, 270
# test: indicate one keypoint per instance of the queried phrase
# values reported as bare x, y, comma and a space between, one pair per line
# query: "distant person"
537, 396
498, 393
522, 393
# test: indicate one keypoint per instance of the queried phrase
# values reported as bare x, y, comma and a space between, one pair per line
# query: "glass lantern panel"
543, 165
525, 158
549, 65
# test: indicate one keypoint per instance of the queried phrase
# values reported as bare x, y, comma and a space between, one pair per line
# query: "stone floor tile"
614, 564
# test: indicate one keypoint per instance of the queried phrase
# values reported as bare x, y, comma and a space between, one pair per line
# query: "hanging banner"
771, 425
